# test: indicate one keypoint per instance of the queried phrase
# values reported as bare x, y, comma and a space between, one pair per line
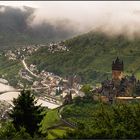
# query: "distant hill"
91, 56
15, 29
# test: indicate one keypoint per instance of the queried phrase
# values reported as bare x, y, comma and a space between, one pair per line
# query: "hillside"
91, 57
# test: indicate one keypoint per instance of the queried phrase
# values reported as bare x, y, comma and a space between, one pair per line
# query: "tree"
88, 93
86, 89
26, 113
77, 100
117, 121
7, 131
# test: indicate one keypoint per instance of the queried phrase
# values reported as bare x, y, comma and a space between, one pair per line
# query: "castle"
120, 84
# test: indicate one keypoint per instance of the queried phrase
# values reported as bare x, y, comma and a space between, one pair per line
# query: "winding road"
25, 66
50, 98
70, 124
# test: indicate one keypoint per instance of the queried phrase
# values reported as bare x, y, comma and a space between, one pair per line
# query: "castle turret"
117, 69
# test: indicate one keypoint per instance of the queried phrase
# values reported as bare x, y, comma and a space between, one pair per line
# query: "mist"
69, 18
111, 18
17, 25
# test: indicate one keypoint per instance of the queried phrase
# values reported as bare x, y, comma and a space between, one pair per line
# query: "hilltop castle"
120, 84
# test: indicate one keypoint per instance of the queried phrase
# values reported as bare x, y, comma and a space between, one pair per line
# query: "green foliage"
50, 119
56, 133
22, 134
86, 89
8, 131
9, 70
77, 100
26, 113
90, 56
98, 121
52, 127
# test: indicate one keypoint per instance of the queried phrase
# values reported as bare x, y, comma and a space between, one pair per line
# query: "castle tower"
117, 69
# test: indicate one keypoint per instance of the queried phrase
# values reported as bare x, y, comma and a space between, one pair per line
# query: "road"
70, 124
25, 66
51, 99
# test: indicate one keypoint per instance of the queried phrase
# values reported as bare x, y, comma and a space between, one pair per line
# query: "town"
25, 51
45, 84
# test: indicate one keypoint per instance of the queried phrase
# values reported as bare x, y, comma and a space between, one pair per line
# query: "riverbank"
9, 96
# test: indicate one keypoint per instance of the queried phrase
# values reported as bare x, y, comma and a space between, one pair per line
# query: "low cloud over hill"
16, 26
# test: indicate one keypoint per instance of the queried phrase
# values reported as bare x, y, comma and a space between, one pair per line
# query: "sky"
111, 17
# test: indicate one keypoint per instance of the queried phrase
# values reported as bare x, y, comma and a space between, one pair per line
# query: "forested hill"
91, 56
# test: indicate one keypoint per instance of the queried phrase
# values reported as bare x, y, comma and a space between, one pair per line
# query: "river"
8, 96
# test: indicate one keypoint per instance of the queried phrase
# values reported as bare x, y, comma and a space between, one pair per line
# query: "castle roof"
117, 65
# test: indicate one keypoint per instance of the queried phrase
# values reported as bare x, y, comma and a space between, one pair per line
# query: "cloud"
17, 24
110, 17
2, 9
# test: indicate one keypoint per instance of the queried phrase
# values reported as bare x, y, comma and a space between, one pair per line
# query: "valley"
47, 87
71, 79
69, 70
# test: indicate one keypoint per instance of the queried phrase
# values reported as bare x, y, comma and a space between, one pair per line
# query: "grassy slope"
82, 113
50, 120
9, 69
91, 57
58, 132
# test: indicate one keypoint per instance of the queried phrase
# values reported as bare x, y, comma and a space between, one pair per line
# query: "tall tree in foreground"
26, 113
